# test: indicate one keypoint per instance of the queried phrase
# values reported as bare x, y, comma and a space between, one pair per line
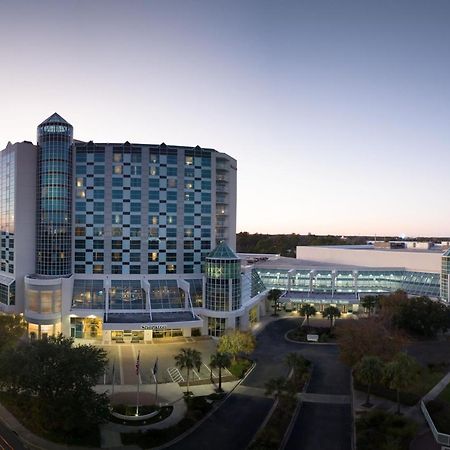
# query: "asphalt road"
9, 440
318, 426
322, 426
232, 426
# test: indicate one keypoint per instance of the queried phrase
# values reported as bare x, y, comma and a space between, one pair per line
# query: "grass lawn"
240, 367
426, 379
379, 430
24, 410
198, 407
439, 410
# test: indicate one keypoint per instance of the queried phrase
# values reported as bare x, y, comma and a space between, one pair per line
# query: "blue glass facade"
54, 197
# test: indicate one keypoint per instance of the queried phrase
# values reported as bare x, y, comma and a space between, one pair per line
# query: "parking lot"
123, 357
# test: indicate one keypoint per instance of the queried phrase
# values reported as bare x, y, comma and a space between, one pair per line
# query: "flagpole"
137, 375
113, 378
156, 389
137, 397
155, 371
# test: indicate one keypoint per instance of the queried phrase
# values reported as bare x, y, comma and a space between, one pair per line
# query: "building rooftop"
223, 251
284, 263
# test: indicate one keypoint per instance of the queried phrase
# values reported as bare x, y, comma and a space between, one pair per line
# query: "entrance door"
117, 336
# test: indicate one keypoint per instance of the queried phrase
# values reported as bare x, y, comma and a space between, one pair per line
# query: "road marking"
120, 366
195, 373
175, 375
210, 370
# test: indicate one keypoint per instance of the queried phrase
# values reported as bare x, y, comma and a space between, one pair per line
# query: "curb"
264, 422
290, 427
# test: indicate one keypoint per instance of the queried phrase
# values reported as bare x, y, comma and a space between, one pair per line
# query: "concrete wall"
420, 261
25, 217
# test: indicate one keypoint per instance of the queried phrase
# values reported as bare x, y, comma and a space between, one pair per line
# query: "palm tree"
369, 370
188, 359
277, 387
297, 364
273, 296
400, 373
220, 361
370, 302
308, 311
331, 312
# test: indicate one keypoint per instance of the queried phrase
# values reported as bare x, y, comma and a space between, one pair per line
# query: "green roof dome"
222, 251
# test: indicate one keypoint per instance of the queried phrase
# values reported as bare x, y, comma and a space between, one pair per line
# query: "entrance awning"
6, 281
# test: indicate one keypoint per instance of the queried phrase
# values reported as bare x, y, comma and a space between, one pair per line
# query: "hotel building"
110, 241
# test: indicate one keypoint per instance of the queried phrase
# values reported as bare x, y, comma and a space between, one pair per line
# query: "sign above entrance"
154, 327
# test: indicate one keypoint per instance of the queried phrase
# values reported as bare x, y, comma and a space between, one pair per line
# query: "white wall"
420, 261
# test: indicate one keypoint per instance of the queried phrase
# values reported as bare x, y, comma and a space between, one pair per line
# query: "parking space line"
195, 373
120, 366
210, 370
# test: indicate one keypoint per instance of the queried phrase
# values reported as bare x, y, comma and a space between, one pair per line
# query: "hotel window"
171, 183
118, 169
117, 157
189, 160
80, 182
153, 171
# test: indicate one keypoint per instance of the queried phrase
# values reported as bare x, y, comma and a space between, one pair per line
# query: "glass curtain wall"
54, 197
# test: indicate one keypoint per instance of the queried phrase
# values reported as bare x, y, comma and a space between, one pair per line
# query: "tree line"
285, 244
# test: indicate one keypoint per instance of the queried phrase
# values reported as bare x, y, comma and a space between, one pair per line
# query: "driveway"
321, 424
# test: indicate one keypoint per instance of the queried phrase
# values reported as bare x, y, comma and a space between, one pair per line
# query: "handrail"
440, 438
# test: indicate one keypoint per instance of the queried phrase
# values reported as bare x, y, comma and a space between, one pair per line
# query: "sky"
338, 112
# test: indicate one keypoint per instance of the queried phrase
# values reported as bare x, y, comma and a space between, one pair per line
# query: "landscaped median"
285, 391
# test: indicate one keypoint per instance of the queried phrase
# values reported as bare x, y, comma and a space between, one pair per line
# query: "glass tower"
54, 197
223, 279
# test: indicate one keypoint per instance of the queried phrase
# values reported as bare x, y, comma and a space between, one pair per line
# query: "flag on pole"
138, 362
155, 367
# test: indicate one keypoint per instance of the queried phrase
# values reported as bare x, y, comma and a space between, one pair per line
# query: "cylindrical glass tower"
223, 279
54, 197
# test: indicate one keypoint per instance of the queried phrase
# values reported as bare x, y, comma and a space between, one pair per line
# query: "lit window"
189, 160
118, 169
117, 157
81, 193
80, 182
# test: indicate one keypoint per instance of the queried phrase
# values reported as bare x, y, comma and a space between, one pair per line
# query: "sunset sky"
338, 112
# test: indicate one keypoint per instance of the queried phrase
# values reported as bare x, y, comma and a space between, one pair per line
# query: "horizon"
336, 113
